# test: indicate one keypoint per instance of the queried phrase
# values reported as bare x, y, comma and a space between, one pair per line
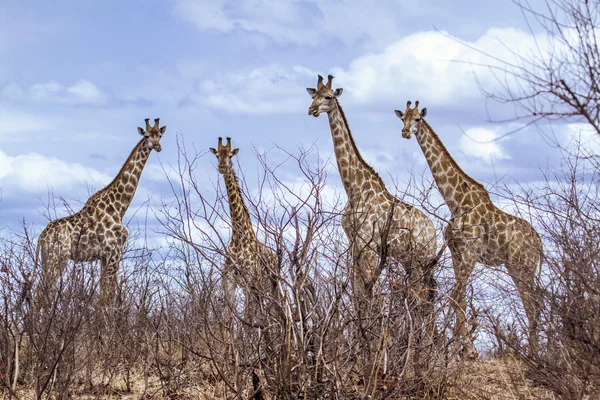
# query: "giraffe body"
96, 232
373, 218
479, 231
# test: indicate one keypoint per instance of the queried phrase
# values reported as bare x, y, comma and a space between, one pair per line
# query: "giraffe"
478, 231
247, 259
373, 219
96, 232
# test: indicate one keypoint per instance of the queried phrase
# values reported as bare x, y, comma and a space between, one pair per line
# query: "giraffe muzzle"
314, 111
406, 134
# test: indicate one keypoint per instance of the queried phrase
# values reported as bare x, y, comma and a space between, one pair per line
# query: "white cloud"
19, 30
35, 173
304, 22
583, 135
260, 91
15, 123
432, 66
81, 92
204, 15
381, 160
479, 142
299, 192
429, 66
277, 19
160, 173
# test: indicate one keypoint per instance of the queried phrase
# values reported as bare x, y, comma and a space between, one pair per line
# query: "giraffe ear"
234, 152
311, 91
399, 113
163, 130
338, 92
424, 112
213, 150
141, 131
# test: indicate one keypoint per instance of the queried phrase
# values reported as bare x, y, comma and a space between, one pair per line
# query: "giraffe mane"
241, 194
105, 188
453, 162
358, 155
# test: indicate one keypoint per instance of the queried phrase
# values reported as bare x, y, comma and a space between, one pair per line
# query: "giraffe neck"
119, 193
356, 174
241, 225
459, 190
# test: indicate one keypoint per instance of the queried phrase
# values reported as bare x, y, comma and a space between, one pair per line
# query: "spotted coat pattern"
96, 232
479, 231
248, 262
373, 220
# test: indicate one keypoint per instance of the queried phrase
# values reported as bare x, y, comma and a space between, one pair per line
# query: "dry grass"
483, 379
314, 341
142, 389
495, 379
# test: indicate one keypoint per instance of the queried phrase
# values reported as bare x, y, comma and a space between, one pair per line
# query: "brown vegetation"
165, 338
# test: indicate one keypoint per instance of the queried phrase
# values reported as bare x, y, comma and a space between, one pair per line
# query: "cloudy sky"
78, 77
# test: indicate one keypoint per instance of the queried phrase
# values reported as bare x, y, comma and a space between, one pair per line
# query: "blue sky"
78, 77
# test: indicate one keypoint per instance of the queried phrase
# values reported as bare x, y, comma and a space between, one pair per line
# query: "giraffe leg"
256, 314
108, 280
52, 268
253, 313
228, 280
254, 310
110, 265
464, 242
523, 276
364, 268
463, 264
104, 317
428, 286
363, 282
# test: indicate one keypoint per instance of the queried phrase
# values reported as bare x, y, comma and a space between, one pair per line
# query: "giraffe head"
152, 134
323, 97
224, 154
412, 119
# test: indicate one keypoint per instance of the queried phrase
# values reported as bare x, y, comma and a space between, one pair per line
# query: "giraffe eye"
328, 97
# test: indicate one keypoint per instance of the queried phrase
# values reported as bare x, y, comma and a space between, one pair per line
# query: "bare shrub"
309, 345
566, 208
558, 79
166, 336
